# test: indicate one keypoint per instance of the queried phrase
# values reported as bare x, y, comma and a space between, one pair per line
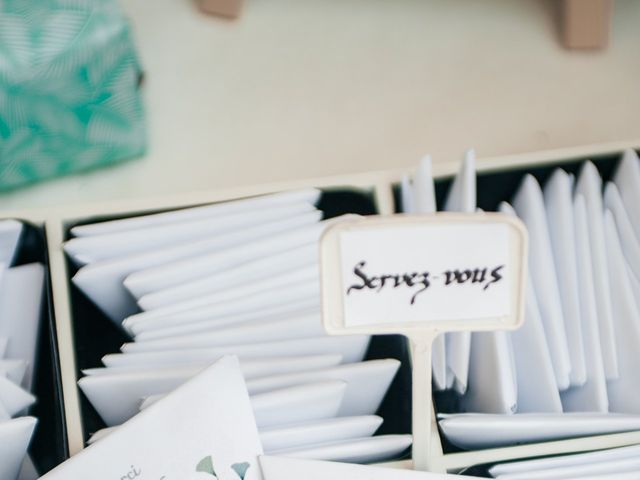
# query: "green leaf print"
241, 469
206, 466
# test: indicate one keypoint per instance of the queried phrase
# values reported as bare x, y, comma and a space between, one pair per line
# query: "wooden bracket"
222, 8
586, 23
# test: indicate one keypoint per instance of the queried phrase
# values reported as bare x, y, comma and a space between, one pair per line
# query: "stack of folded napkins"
616, 463
571, 369
242, 278
20, 304
199, 432
283, 468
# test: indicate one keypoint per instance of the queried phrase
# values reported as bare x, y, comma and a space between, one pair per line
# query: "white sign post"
421, 275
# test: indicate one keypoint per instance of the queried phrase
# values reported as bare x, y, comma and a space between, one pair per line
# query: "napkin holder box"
498, 179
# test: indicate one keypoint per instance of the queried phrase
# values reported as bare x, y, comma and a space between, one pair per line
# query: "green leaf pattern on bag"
69, 93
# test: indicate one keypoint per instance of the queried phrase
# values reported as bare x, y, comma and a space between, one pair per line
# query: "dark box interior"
494, 187
49, 444
95, 335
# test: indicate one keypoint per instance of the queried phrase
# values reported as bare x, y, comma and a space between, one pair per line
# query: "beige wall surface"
297, 89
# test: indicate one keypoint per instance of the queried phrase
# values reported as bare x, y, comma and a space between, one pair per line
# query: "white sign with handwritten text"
425, 272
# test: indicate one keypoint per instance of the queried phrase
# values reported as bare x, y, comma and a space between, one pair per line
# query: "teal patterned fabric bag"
69, 89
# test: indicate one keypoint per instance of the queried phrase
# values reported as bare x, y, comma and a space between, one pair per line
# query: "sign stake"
421, 399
